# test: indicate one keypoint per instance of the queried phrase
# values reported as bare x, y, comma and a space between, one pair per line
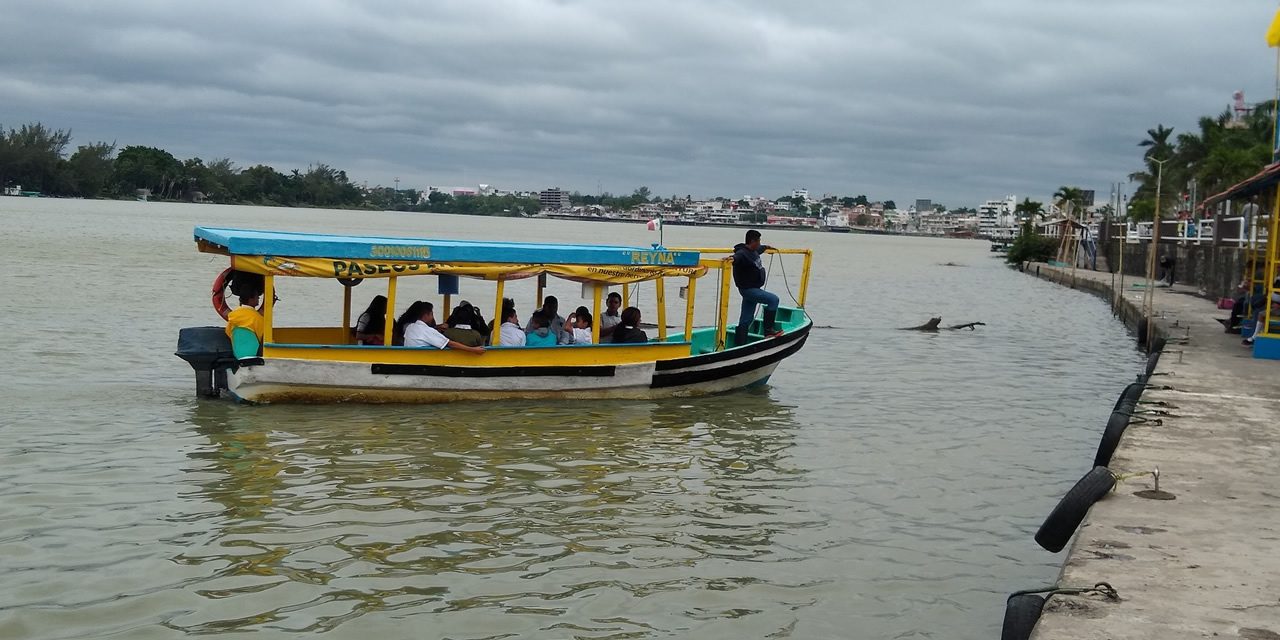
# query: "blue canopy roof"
314, 245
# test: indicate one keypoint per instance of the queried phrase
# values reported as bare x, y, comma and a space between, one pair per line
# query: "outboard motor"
208, 351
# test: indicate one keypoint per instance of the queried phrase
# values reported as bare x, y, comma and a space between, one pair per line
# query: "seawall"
1207, 562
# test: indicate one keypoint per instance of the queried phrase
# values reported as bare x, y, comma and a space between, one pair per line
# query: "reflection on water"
335, 514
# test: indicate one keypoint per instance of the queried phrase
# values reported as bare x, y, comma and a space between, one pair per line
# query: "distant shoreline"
548, 216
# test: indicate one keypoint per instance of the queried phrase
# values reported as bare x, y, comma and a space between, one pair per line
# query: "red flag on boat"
655, 224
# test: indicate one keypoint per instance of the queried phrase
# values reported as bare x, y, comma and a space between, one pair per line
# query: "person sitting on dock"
247, 316
510, 334
460, 328
609, 319
749, 276
420, 333
578, 327
549, 310
628, 331
540, 334
370, 324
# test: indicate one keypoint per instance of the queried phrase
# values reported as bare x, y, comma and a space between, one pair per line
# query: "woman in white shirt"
510, 334
420, 333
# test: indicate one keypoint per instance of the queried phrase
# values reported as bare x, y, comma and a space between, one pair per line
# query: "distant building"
996, 218
800, 193
554, 198
924, 205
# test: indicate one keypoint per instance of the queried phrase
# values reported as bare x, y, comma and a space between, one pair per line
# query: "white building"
996, 218
800, 193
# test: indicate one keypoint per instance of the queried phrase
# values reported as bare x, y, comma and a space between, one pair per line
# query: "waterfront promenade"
1206, 564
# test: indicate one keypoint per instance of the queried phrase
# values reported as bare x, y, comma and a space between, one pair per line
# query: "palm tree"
1028, 209
1068, 198
1157, 142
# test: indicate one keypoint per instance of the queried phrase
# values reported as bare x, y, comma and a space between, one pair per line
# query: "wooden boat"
324, 364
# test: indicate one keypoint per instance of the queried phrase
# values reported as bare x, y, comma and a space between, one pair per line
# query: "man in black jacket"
749, 276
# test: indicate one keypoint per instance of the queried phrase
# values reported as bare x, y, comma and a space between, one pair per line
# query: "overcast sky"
954, 101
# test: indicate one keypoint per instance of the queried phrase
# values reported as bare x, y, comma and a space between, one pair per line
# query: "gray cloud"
925, 98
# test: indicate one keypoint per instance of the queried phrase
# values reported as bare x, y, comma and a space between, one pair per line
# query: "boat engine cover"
204, 347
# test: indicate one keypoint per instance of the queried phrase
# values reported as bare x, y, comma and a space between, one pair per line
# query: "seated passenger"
460, 328
373, 322
247, 316
541, 335
420, 333
628, 331
578, 327
549, 310
511, 335
609, 319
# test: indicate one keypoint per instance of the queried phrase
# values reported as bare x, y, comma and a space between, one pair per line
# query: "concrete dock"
1206, 564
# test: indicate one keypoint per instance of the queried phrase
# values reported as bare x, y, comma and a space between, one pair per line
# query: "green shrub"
1032, 247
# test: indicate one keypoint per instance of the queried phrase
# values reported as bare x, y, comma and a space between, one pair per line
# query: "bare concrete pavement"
1206, 564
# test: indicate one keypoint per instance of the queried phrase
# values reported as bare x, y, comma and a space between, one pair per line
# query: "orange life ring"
219, 292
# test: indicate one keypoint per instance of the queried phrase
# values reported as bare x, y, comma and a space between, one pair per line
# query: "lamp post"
1148, 299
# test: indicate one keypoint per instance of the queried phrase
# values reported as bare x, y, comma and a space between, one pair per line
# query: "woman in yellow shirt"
247, 316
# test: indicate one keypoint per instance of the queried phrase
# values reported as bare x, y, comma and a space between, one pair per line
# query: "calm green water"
885, 484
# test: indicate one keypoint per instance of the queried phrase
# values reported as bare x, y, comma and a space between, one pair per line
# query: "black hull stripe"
731, 354
604, 371
681, 378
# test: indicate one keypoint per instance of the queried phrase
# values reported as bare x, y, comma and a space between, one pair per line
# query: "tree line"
35, 157
1220, 152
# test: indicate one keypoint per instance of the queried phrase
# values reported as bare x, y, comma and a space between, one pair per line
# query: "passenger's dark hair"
614, 294
413, 314
538, 320
244, 300
462, 314
630, 317
508, 308
583, 314
377, 310
550, 301
752, 235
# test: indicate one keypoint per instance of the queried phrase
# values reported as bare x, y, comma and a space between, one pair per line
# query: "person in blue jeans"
749, 275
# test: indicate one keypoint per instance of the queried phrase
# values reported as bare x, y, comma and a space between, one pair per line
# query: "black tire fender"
1129, 396
1152, 361
1116, 426
1071, 510
1021, 612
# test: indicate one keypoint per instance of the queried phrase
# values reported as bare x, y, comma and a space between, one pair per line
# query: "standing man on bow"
749, 276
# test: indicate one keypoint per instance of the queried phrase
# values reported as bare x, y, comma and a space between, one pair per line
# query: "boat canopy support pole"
722, 318
346, 314
496, 334
388, 327
804, 277
626, 295
542, 284
692, 293
268, 307
661, 292
596, 291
